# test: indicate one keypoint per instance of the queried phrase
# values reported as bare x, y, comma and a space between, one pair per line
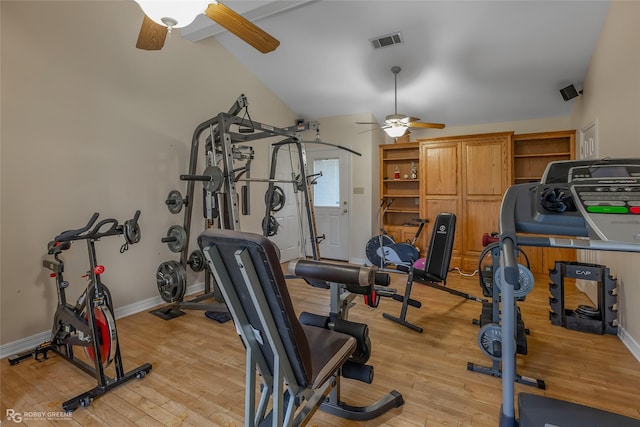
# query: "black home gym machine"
89, 324
595, 199
227, 162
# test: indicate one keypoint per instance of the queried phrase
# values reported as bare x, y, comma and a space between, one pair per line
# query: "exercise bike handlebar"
68, 235
113, 229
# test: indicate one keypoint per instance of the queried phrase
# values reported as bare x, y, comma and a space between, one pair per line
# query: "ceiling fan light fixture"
395, 130
171, 13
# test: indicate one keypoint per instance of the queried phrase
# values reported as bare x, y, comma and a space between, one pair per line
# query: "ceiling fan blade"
152, 35
367, 123
426, 125
367, 130
241, 27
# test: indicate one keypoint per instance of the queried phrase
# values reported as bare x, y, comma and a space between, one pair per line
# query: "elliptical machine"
89, 323
382, 250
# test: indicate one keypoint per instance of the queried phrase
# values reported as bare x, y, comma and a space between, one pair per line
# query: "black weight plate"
490, 340
215, 179
131, 232
196, 261
179, 236
277, 199
171, 279
174, 201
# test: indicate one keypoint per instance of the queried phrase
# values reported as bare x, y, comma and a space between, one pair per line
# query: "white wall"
92, 124
612, 98
549, 124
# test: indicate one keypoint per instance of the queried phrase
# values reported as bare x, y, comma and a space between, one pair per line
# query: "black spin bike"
89, 323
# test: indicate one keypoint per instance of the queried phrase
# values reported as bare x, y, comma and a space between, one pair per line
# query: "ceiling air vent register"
386, 40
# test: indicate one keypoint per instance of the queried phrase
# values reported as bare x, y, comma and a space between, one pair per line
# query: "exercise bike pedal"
410, 301
40, 353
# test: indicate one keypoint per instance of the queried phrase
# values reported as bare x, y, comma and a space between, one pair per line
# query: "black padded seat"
329, 351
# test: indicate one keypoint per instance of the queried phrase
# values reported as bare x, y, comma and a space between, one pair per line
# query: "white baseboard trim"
24, 344
33, 341
629, 342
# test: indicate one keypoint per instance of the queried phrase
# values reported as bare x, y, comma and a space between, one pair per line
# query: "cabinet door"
441, 167
485, 177
441, 188
486, 164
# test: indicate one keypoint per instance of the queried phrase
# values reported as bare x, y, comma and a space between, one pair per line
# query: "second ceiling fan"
395, 125
162, 16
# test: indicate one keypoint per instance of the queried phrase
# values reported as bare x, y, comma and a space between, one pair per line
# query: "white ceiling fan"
395, 125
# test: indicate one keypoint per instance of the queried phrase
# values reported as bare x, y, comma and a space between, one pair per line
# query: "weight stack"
598, 320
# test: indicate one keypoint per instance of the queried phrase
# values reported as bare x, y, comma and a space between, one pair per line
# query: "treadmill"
596, 204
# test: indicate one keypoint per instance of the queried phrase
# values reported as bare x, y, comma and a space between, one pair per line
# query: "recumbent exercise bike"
89, 323
382, 250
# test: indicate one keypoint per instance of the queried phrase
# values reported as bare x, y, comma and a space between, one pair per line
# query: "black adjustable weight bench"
436, 268
298, 364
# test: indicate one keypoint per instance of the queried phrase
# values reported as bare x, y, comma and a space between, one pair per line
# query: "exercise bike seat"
54, 248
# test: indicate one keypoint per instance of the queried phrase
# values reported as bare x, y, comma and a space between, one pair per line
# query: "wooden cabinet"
466, 175
400, 182
532, 152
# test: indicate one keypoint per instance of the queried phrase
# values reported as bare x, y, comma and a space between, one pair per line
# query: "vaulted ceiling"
463, 62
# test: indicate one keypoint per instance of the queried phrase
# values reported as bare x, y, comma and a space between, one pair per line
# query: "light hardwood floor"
198, 367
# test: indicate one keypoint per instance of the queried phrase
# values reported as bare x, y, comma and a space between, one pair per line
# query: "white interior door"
331, 201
